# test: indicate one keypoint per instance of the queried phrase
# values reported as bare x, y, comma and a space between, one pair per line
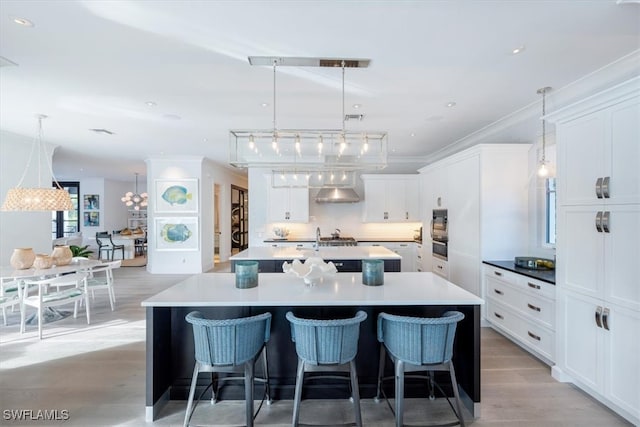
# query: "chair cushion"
58, 296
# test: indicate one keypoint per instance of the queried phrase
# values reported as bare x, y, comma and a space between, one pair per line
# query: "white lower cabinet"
523, 308
600, 350
418, 258
440, 267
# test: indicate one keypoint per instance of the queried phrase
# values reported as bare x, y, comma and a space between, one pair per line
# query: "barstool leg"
265, 366
456, 393
399, 382
355, 392
248, 391
383, 355
298, 393
192, 392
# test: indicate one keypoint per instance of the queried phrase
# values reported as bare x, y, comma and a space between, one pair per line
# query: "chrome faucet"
317, 238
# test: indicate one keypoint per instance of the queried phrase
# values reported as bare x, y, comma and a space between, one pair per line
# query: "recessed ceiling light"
22, 21
356, 106
517, 50
150, 104
434, 118
451, 104
412, 134
264, 104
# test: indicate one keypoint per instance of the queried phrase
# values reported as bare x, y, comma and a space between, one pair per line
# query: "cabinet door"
288, 204
375, 201
581, 349
580, 268
624, 153
396, 199
412, 199
581, 167
298, 205
278, 204
622, 375
622, 256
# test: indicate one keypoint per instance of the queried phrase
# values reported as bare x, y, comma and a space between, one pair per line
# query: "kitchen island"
170, 348
345, 258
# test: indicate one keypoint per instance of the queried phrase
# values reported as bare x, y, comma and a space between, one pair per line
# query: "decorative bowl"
311, 270
281, 233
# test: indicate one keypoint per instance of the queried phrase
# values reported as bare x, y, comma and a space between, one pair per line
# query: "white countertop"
327, 253
344, 289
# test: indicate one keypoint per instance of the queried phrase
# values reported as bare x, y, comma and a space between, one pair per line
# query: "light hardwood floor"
97, 373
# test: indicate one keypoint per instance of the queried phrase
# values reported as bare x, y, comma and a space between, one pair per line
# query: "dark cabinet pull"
599, 317
497, 273
533, 285
605, 318
499, 316
533, 307
534, 336
439, 267
499, 292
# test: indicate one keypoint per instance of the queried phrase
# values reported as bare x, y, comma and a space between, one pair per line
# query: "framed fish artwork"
176, 195
177, 234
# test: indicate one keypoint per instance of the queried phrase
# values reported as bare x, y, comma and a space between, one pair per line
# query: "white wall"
21, 229
208, 174
328, 216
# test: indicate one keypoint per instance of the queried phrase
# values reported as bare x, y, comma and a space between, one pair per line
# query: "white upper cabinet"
599, 156
288, 204
391, 198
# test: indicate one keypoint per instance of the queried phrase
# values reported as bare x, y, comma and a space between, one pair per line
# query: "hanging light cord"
41, 148
274, 96
544, 125
343, 117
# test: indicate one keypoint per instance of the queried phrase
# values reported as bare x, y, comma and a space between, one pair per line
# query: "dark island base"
342, 265
170, 354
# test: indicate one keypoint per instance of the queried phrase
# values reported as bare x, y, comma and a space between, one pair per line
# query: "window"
550, 212
65, 223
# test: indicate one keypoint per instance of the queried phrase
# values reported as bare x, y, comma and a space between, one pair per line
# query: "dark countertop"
292, 240
548, 276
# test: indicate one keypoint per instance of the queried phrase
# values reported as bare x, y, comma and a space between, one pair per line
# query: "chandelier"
136, 199
39, 198
304, 152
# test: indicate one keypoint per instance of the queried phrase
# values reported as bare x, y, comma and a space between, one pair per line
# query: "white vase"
22, 258
61, 255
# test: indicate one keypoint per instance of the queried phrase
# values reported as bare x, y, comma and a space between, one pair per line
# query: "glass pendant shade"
135, 200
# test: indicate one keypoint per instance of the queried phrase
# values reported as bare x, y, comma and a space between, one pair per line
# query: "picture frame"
92, 219
177, 234
176, 195
91, 202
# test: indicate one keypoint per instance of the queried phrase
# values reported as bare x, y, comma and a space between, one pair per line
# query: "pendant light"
40, 198
542, 168
135, 200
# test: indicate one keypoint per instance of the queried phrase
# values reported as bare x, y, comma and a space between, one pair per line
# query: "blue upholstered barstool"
418, 344
230, 345
326, 345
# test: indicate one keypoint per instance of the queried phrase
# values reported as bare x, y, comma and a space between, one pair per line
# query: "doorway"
239, 219
216, 223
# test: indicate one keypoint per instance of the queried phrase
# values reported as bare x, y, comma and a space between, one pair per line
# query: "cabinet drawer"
441, 267
525, 332
541, 309
537, 287
502, 292
500, 274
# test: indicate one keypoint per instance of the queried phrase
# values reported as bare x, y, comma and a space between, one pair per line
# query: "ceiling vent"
103, 131
358, 117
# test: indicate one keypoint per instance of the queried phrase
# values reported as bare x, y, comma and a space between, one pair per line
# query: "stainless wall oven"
439, 233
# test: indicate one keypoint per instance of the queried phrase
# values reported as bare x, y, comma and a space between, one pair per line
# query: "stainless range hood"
337, 195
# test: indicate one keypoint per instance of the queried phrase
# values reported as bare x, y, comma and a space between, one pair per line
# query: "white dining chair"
72, 288
10, 296
101, 277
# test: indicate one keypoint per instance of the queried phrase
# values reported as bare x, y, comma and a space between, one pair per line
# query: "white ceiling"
95, 64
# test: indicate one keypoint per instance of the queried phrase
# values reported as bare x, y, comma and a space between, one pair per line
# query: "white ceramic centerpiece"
311, 271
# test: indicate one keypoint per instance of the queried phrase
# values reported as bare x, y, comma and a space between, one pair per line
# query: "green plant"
82, 251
